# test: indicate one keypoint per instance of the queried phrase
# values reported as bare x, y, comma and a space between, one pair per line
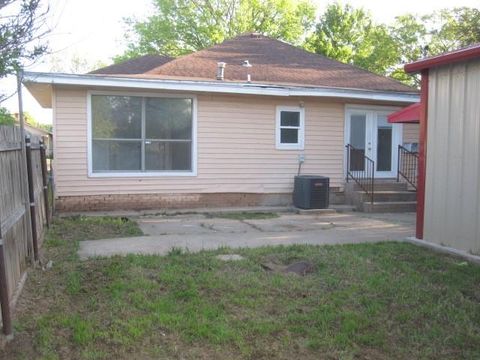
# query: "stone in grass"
300, 268
230, 257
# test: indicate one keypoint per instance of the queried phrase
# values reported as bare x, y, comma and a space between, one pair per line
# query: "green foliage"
5, 117
342, 32
350, 35
433, 34
453, 28
21, 31
182, 26
409, 33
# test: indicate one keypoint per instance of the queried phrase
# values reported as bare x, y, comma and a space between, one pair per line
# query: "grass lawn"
376, 301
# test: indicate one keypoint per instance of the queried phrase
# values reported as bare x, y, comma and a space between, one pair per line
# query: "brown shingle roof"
138, 65
273, 62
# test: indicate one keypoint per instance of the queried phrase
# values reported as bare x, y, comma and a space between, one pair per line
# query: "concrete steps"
389, 197
390, 207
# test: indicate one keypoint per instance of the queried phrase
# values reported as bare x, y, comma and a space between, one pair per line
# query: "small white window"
290, 128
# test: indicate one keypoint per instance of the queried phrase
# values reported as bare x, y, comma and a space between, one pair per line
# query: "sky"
94, 30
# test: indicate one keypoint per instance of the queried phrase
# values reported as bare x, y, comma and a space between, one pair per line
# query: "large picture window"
135, 134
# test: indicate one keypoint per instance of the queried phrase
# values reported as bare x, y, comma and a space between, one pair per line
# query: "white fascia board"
214, 87
357, 94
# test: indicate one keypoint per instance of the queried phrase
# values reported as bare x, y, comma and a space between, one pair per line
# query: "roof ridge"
283, 42
273, 60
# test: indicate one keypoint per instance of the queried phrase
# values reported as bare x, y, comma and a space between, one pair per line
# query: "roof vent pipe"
246, 64
221, 70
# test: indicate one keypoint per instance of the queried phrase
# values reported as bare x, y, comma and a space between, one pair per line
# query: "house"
40, 133
448, 210
223, 126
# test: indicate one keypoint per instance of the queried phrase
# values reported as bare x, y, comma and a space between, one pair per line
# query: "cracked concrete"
195, 232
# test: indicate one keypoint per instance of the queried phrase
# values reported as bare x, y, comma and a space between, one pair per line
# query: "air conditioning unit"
311, 192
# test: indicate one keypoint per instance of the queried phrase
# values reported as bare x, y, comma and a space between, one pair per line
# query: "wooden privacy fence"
24, 211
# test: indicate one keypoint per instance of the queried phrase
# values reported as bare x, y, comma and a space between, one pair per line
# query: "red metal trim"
410, 114
422, 147
447, 58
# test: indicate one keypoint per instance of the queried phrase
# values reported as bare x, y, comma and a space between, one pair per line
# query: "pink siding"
236, 148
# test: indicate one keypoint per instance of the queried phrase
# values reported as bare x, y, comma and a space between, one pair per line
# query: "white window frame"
300, 145
107, 174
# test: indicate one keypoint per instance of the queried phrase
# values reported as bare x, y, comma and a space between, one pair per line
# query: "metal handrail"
365, 176
407, 166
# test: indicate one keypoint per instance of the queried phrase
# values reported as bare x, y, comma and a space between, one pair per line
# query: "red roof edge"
463, 54
410, 114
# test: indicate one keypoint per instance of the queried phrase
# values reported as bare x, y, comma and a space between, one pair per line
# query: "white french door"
370, 133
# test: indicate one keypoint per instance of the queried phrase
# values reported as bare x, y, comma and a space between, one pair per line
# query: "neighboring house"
40, 133
225, 126
45, 135
448, 210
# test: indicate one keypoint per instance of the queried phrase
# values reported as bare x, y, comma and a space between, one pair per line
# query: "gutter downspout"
422, 153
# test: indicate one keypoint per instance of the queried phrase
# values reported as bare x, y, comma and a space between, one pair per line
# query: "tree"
22, 27
410, 35
30, 120
419, 36
182, 26
454, 28
350, 35
5, 117
75, 64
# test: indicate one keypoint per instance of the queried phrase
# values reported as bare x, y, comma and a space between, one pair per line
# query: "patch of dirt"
301, 268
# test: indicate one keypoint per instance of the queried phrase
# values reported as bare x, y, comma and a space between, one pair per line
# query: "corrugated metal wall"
452, 199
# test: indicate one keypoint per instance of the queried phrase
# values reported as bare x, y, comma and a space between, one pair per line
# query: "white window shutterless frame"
370, 133
290, 128
191, 172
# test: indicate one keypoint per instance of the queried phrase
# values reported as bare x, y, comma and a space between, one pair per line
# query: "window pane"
168, 155
290, 118
116, 117
289, 136
168, 118
358, 131
384, 149
111, 155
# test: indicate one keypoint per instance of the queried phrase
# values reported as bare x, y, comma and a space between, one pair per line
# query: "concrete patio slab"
197, 232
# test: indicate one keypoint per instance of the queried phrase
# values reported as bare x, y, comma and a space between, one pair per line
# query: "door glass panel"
384, 144
358, 125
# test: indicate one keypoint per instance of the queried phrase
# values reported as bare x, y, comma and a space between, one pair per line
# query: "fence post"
43, 160
31, 195
4, 300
